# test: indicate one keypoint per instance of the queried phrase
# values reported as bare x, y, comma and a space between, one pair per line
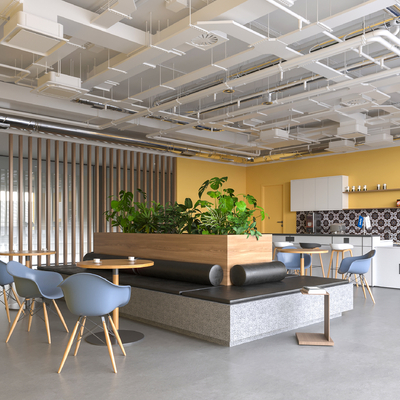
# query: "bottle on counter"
365, 188
378, 187
384, 186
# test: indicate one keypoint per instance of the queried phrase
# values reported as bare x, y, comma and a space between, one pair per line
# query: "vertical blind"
53, 193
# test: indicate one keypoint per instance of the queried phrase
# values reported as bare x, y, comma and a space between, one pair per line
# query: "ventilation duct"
273, 136
32, 34
341, 146
379, 140
176, 5
352, 129
59, 86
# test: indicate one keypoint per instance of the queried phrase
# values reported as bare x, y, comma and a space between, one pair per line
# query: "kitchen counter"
362, 244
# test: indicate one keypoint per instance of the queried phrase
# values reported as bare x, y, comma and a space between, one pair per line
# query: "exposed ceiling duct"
32, 34
242, 77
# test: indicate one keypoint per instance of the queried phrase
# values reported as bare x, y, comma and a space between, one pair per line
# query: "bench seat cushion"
239, 294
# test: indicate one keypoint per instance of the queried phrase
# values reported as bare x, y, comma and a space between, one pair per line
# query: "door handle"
279, 222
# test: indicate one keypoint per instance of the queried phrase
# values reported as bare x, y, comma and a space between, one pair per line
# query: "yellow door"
272, 202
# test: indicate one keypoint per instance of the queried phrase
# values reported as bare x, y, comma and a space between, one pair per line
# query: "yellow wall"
192, 173
363, 168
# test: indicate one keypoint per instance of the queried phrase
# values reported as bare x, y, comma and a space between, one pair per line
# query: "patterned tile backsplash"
385, 222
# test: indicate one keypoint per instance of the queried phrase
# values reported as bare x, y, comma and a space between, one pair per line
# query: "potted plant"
221, 232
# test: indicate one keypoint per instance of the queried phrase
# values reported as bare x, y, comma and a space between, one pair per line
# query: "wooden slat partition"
48, 198
39, 196
118, 179
20, 194
168, 181
144, 177
132, 165
111, 187
85, 192
73, 201
157, 179
11, 193
65, 204
96, 196
125, 184
151, 177
30, 192
57, 202
89, 200
138, 180
81, 201
175, 180
162, 191
104, 189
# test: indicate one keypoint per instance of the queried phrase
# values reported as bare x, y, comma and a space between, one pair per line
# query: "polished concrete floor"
363, 364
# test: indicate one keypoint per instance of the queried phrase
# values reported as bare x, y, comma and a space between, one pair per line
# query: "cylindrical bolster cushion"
254, 274
203, 274
92, 256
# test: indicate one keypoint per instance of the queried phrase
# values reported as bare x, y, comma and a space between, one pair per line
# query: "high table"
305, 251
27, 254
127, 336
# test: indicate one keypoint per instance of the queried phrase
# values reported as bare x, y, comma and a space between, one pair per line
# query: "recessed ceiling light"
229, 91
267, 103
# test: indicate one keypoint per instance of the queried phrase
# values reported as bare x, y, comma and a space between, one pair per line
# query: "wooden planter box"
225, 250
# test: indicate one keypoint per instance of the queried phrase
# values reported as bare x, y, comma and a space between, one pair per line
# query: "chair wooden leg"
46, 321
362, 285
16, 296
31, 315
115, 330
80, 334
337, 263
369, 290
110, 351
60, 315
15, 322
6, 304
322, 265
356, 280
70, 341
273, 257
330, 265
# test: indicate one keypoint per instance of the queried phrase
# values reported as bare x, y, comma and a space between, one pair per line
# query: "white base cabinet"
387, 271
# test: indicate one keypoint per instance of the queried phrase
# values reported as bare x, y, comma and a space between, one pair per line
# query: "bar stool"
339, 248
280, 245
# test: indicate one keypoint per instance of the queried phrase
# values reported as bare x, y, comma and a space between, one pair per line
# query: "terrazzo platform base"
231, 325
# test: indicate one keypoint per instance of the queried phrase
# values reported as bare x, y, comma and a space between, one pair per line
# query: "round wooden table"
305, 251
27, 254
116, 265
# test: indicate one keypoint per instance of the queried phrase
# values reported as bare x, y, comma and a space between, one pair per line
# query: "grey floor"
363, 364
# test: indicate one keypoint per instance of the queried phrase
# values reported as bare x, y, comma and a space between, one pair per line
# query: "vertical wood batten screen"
53, 193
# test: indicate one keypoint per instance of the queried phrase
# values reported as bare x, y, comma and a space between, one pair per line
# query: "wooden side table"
317, 339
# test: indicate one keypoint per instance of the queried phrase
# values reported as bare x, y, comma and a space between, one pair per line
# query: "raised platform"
228, 315
235, 319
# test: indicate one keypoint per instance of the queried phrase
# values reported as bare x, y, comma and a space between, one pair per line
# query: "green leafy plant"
226, 215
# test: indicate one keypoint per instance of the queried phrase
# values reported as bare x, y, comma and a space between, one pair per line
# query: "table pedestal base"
127, 337
313, 339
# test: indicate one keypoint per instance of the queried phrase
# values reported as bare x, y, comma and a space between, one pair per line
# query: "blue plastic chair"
32, 284
292, 260
358, 266
7, 279
89, 295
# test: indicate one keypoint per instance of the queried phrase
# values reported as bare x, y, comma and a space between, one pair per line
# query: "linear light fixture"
150, 65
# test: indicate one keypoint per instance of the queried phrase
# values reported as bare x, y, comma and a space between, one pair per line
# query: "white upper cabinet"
318, 194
